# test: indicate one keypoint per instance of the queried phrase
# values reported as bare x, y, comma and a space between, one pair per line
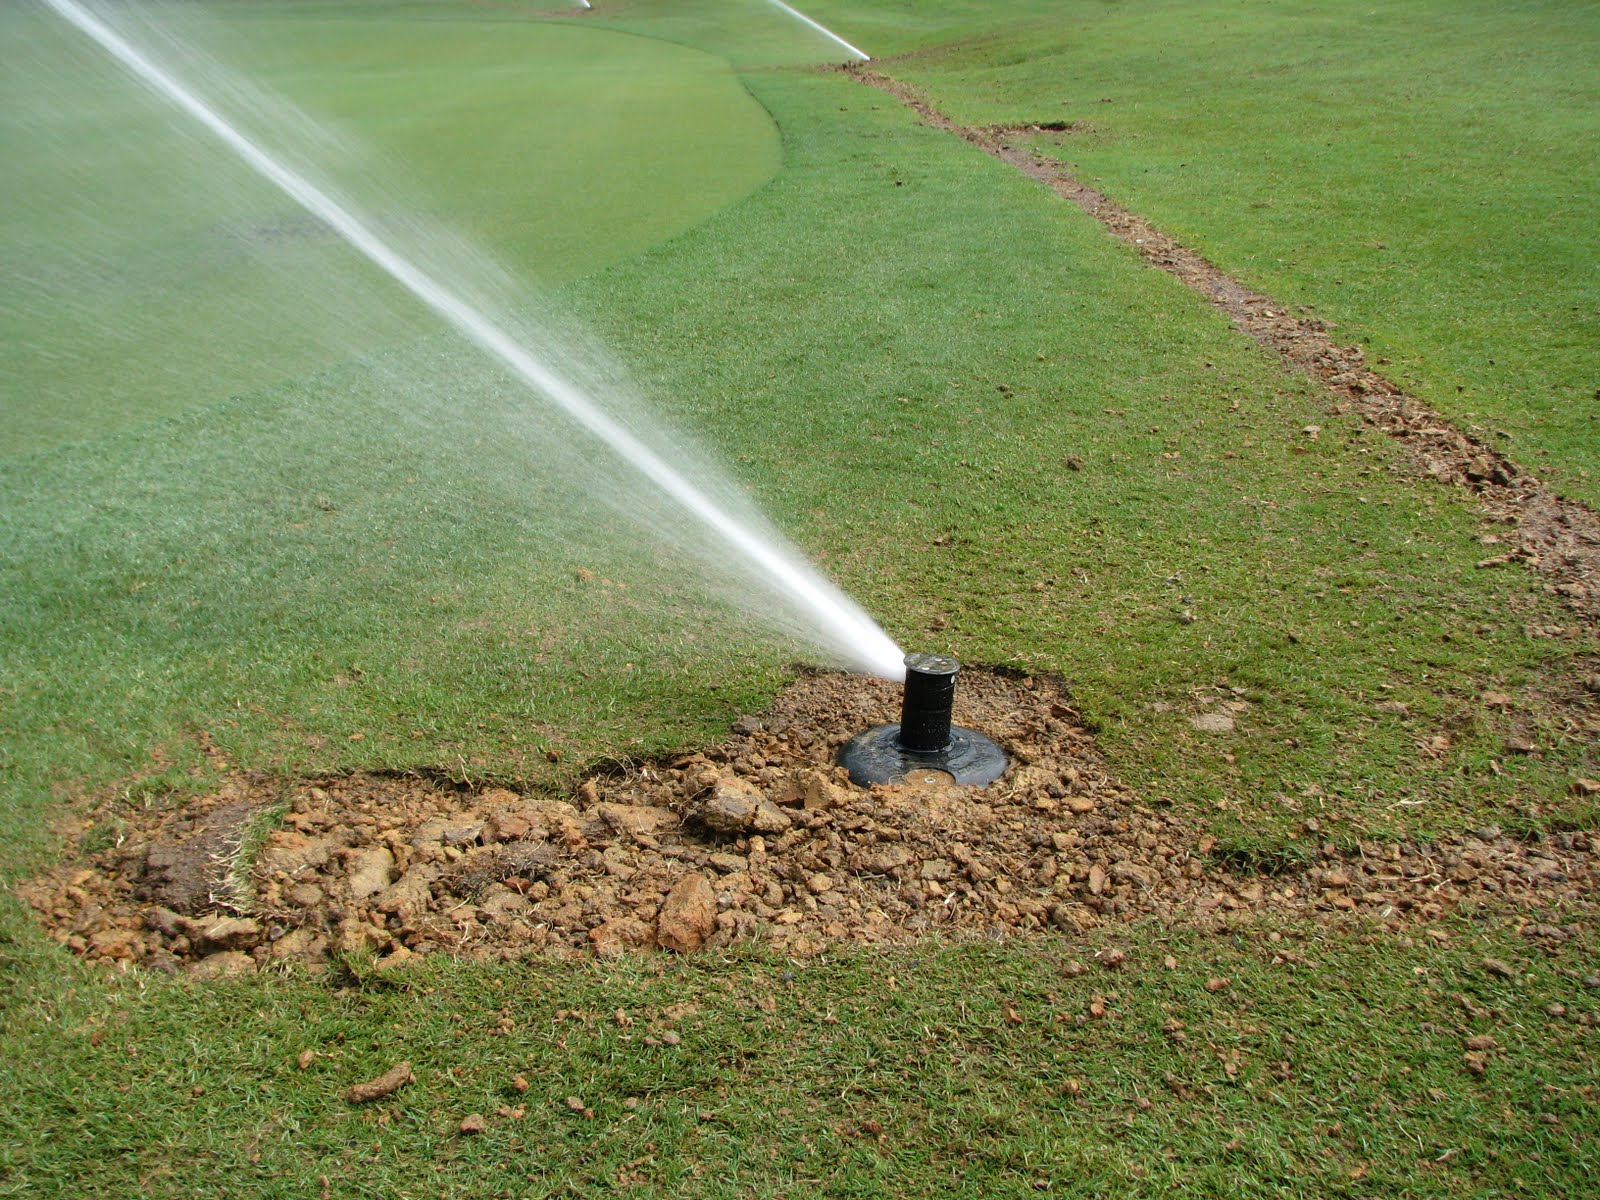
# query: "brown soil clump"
187, 869
760, 836
1555, 536
391, 1081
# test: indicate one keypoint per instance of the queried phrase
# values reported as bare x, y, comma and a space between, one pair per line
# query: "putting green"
152, 273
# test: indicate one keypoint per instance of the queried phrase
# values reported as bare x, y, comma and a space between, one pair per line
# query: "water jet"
797, 596
861, 55
924, 740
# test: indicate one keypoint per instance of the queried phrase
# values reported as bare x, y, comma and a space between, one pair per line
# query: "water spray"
861, 55
924, 740
825, 606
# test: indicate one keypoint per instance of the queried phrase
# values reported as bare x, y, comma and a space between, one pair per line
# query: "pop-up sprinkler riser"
924, 739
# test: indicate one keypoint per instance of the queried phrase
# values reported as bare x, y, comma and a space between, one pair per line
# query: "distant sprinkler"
924, 739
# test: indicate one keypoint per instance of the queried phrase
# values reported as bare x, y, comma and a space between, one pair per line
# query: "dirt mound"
759, 836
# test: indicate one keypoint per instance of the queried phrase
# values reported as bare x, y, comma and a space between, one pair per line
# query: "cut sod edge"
1556, 536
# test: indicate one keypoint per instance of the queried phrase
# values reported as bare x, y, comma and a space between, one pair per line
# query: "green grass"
1421, 174
971, 1070
369, 551
900, 345
933, 279
555, 147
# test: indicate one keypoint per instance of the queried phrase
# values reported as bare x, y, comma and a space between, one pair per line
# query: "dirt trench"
758, 837
1556, 537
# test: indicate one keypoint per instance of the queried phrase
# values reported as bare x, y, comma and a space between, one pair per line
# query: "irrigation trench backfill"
1556, 536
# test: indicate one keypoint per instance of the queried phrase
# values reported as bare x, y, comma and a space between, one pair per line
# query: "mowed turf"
1421, 175
1092, 476
1273, 1062
151, 272
904, 347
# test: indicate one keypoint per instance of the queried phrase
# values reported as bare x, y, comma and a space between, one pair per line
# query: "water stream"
835, 623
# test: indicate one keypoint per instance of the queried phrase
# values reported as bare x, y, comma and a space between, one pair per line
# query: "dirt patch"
1557, 537
1005, 131
760, 836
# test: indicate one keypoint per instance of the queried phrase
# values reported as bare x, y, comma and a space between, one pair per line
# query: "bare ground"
760, 836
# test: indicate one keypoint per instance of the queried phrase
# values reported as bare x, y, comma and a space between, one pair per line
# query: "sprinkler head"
924, 739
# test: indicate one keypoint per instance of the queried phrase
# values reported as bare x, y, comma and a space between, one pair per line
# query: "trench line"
1557, 537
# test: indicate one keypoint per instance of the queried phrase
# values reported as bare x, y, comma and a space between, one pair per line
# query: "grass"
1321, 584
238, 893
1419, 175
370, 560
274, 515
533, 139
958, 1069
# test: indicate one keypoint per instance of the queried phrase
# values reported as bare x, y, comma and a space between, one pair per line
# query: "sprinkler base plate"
877, 756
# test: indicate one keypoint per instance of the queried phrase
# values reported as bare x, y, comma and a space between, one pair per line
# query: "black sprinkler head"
924, 739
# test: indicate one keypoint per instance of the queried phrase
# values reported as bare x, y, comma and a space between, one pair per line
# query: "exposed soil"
1556, 536
758, 836
763, 836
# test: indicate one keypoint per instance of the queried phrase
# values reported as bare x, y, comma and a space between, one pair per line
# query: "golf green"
153, 273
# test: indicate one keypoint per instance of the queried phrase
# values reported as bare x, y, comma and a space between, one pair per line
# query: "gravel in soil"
759, 836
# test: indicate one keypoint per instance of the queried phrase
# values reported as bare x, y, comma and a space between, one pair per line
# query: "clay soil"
760, 836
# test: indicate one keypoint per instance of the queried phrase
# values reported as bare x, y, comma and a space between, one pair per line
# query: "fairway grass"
967, 336
154, 273
1421, 175
1004, 436
1275, 1061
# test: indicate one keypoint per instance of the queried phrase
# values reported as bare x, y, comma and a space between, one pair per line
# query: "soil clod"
392, 1080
